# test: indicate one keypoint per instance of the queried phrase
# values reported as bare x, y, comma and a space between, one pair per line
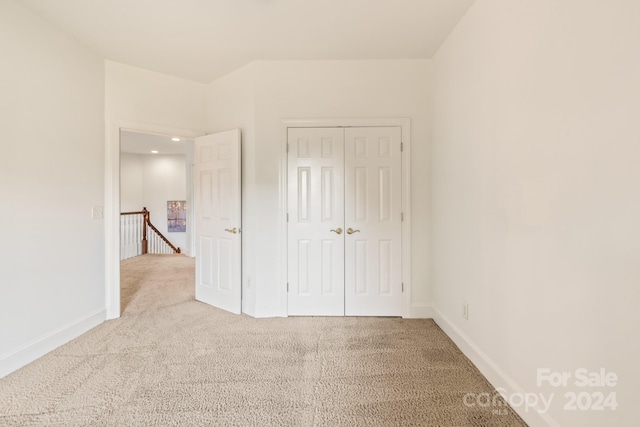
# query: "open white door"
217, 200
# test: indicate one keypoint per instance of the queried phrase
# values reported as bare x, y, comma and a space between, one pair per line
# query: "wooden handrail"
176, 250
147, 221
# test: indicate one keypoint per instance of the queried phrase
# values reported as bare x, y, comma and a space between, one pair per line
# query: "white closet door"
373, 202
316, 221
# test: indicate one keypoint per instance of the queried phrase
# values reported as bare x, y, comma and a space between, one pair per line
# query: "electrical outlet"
97, 212
465, 311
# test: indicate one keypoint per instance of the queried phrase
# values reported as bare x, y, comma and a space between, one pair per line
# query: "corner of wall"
421, 311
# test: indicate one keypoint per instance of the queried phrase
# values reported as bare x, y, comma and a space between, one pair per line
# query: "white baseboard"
491, 370
267, 311
421, 312
15, 359
415, 312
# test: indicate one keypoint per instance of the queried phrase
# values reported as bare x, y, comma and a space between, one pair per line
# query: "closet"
344, 221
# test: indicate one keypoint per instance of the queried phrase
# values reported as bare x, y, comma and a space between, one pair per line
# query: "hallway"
148, 282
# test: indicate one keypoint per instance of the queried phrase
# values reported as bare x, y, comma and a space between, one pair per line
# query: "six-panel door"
316, 218
218, 220
373, 208
344, 225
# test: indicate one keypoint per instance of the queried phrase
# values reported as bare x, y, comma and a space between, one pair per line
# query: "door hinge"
403, 287
401, 216
287, 286
287, 148
287, 216
401, 146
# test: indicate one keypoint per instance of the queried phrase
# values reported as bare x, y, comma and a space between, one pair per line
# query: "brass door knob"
233, 230
351, 231
337, 230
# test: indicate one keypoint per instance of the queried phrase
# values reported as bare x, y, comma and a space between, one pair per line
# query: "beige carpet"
172, 361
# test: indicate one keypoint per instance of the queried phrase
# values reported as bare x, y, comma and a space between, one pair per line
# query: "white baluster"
140, 228
121, 240
138, 238
125, 236
132, 229
128, 236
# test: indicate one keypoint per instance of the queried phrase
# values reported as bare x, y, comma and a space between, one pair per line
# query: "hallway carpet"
172, 361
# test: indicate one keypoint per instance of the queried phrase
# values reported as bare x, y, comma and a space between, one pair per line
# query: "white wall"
51, 174
145, 97
164, 179
131, 188
262, 94
150, 180
536, 205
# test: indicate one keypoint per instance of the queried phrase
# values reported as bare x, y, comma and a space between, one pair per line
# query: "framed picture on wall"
177, 216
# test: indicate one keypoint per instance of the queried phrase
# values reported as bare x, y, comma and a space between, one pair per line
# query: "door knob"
233, 230
351, 231
337, 230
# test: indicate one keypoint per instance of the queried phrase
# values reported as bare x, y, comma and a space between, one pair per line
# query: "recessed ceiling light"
154, 151
176, 139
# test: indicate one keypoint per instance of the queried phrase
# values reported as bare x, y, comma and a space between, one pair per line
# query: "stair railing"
138, 236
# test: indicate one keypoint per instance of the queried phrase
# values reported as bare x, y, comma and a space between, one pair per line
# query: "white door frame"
112, 202
405, 125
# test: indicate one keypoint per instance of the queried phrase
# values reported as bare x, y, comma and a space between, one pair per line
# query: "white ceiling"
202, 40
143, 143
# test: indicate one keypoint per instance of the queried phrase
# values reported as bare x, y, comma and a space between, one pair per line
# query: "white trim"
266, 311
406, 223
421, 312
112, 201
405, 125
38, 347
491, 371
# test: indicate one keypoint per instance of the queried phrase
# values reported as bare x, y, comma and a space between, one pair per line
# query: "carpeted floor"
172, 361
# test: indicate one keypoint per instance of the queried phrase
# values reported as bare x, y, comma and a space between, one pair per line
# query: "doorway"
154, 171
112, 202
155, 191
